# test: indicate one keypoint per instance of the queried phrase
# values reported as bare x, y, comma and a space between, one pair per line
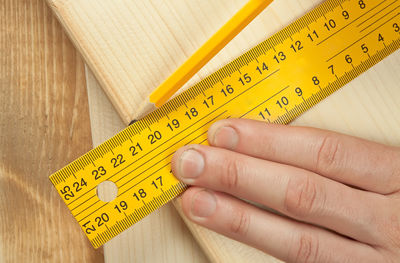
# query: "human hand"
339, 196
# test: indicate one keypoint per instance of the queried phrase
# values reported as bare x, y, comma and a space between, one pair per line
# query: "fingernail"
203, 204
225, 137
191, 164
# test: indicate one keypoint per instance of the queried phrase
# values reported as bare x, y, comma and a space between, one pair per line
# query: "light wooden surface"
131, 46
44, 124
161, 237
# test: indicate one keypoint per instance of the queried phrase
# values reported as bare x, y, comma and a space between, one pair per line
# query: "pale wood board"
44, 124
161, 237
131, 46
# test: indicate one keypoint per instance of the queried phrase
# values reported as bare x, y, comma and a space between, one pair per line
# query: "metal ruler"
274, 82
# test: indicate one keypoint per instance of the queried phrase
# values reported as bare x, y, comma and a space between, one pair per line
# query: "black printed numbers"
89, 228
364, 48
66, 191
99, 172
315, 81
174, 124
296, 46
157, 182
103, 218
209, 101
396, 27
140, 194
298, 91
348, 59
122, 206
332, 69
345, 14
229, 90
244, 80
78, 186
153, 138
280, 57
362, 4
117, 161
264, 114
282, 102
135, 149
264, 67
313, 35
331, 24
192, 113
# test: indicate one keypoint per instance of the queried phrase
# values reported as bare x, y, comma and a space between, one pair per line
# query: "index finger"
363, 164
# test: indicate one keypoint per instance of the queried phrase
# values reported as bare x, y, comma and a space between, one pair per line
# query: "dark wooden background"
44, 124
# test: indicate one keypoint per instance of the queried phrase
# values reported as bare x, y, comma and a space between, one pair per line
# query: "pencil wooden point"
145, 108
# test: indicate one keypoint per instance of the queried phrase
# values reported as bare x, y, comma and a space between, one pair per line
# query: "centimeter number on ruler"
274, 82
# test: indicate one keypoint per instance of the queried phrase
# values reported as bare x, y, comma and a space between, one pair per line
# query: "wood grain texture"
216, 246
367, 107
160, 237
131, 46
44, 124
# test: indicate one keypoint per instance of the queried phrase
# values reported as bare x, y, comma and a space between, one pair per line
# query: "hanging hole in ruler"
107, 191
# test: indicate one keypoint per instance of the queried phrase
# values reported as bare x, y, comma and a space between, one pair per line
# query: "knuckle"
301, 196
305, 249
233, 171
328, 154
240, 223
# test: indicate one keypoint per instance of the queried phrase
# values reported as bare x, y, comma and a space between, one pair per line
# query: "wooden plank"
44, 124
131, 46
161, 237
216, 246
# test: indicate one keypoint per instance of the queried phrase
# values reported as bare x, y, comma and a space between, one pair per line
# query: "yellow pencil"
206, 52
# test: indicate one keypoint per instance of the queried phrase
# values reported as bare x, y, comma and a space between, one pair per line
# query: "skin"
336, 197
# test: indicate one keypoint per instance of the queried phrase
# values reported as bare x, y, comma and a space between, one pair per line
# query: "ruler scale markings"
143, 157
377, 12
297, 59
347, 26
382, 18
264, 102
122, 186
165, 157
359, 39
179, 133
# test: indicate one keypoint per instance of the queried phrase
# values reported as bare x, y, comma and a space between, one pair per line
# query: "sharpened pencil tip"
132, 122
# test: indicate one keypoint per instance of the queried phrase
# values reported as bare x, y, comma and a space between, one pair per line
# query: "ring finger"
281, 237
293, 191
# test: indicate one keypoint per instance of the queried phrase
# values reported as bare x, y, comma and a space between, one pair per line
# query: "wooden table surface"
44, 124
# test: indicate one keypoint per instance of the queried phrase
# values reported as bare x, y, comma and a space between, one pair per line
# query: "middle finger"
293, 191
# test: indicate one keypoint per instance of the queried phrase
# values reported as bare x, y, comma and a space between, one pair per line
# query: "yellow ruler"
274, 82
